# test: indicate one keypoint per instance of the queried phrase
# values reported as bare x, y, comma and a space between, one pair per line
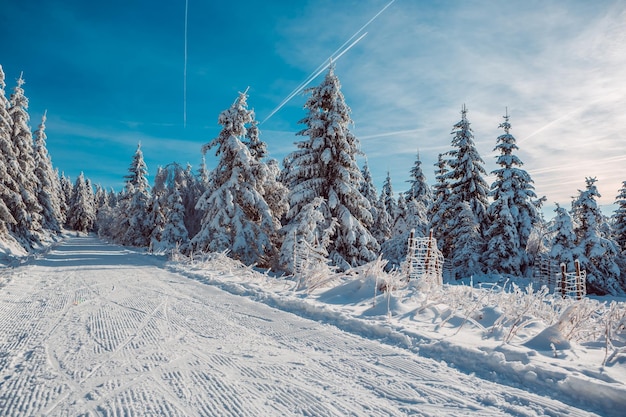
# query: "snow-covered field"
96, 329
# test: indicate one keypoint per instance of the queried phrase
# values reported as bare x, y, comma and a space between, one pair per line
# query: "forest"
317, 207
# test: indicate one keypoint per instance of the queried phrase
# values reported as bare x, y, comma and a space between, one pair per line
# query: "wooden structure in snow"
424, 260
571, 284
546, 270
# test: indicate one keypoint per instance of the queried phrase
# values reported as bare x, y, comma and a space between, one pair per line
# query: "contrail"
326, 63
185, 69
311, 77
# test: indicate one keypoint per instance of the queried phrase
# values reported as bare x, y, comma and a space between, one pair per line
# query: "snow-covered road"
96, 329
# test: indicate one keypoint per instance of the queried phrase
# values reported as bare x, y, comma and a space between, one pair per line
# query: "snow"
90, 328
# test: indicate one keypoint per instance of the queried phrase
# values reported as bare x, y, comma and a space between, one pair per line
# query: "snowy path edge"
493, 365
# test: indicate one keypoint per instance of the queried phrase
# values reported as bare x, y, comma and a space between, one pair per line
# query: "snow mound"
548, 339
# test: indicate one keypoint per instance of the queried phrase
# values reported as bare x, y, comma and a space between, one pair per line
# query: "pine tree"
236, 215
467, 170
307, 238
563, 244
465, 259
368, 190
419, 190
65, 197
512, 212
82, 214
440, 212
49, 188
382, 228
156, 215
388, 199
174, 234
619, 218
133, 226
173, 196
8, 186
596, 252
419, 199
324, 165
26, 210
467, 185
401, 222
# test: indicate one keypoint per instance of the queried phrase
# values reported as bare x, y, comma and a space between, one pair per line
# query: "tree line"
319, 206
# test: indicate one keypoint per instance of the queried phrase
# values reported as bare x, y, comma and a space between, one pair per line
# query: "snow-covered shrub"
520, 309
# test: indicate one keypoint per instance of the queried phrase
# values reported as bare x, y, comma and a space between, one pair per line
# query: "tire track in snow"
117, 336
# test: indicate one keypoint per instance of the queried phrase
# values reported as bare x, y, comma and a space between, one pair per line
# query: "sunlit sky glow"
110, 75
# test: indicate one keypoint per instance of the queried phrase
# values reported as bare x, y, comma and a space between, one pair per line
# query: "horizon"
113, 75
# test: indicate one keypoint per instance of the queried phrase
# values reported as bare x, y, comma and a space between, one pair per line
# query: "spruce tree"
619, 218
596, 252
419, 190
401, 222
49, 188
174, 234
9, 190
236, 215
419, 199
440, 211
65, 197
26, 210
466, 175
368, 190
563, 243
465, 259
324, 165
132, 223
467, 185
388, 199
512, 213
82, 214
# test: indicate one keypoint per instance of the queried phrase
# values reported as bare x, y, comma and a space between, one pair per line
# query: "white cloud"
559, 67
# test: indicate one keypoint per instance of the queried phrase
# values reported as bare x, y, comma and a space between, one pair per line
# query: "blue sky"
110, 75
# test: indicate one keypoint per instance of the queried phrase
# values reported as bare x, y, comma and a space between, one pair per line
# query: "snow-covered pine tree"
401, 222
412, 216
467, 184
419, 199
82, 214
367, 187
467, 171
26, 210
133, 227
503, 254
465, 259
65, 196
596, 252
236, 215
383, 223
420, 190
512, 213
563, 243
619, 218
439, 212
174, 235
274, 192
388, 199
8, 186
307, 238
101, 198
171, 184
49, 188
156, 214
324, 165
368, 190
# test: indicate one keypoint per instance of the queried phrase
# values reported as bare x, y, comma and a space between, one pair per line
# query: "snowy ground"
96, 329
